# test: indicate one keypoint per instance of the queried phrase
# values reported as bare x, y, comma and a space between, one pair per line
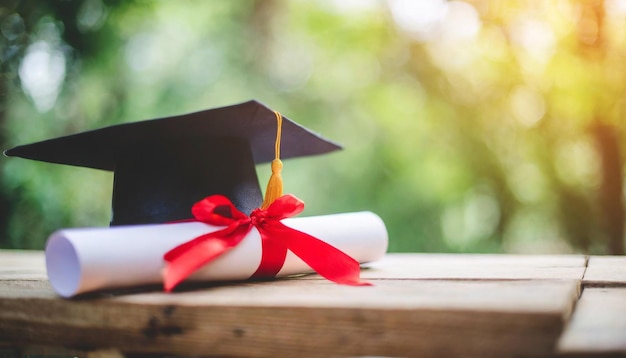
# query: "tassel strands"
275, 184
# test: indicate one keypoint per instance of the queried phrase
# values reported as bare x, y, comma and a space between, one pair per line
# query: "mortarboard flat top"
163, 166
252, 121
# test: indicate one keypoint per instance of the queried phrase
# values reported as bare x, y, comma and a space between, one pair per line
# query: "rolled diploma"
89, 259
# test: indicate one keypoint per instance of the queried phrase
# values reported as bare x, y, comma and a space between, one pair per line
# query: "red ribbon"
276, 238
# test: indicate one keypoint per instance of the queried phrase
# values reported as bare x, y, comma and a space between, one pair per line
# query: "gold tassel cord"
275, 185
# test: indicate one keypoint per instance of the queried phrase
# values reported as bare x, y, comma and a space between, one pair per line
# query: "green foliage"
481, 132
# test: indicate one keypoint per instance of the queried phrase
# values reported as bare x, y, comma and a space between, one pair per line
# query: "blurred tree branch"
593, 48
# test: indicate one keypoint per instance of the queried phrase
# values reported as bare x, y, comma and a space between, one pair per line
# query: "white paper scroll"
90, 259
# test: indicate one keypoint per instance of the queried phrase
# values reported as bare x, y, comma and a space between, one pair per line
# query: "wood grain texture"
476, 267
599, 323
396, 317
22, 265
605, 271
288, 317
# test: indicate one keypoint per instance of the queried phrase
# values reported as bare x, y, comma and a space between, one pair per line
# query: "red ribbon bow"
326, 260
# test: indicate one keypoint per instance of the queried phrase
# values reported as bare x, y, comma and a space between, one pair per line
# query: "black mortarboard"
163, 166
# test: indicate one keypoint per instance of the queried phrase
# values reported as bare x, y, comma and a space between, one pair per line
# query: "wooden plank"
22, 265
598, 325
447, 307
303, 317
477, 266
605, 271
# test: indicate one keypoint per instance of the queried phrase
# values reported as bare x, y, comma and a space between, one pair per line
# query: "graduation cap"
163, 166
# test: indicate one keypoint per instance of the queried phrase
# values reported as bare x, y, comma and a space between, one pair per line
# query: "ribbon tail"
185, 259
328, 261
186, 262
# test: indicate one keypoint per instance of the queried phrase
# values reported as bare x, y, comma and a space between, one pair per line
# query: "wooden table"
420, 305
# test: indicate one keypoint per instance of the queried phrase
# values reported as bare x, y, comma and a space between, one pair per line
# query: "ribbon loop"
217, 210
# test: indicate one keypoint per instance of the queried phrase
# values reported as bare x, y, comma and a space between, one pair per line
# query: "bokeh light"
469, 126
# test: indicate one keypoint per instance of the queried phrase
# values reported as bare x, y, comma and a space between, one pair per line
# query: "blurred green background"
478, 126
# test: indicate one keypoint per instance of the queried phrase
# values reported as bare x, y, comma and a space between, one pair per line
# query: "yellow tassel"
275, 185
